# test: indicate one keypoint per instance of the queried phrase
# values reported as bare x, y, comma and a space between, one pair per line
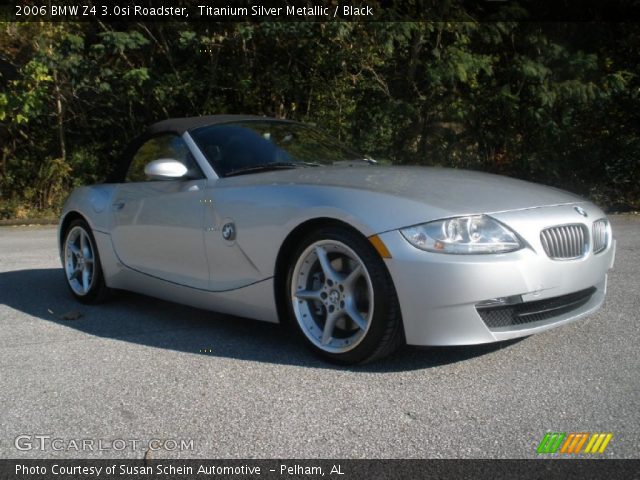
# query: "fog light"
500, 301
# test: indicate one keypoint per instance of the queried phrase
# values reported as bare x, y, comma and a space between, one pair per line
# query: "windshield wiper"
370, 161
265, 167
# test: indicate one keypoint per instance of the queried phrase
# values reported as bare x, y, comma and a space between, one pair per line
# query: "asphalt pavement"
105, 381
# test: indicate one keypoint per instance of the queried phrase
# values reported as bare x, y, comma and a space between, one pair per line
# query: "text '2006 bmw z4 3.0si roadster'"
273, 220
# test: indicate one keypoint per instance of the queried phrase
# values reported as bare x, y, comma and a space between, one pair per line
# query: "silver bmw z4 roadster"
275, 221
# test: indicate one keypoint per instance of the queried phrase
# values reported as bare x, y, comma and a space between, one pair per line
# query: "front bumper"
439, 293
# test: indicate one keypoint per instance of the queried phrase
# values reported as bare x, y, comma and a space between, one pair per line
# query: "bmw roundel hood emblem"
581, 211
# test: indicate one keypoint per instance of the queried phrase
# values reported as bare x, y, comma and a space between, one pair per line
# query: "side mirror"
165, 169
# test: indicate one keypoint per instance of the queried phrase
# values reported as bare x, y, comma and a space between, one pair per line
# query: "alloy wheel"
79, 261
332, 296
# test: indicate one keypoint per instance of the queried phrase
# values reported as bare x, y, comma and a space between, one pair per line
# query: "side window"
162, 146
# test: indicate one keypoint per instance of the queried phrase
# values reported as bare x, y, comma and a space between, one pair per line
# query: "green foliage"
555, 103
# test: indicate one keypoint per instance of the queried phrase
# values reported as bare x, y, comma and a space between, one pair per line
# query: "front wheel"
342, 298
82, 268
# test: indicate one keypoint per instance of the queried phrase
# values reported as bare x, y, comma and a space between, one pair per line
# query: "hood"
454, 191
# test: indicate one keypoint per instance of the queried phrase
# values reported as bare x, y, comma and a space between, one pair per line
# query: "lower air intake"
529, 312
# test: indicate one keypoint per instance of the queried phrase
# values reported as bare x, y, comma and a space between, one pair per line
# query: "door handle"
118, 205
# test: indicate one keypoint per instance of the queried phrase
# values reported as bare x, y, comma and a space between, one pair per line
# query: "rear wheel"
342, 299
82, 269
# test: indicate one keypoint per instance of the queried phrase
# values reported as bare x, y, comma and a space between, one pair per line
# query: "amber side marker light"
379, 245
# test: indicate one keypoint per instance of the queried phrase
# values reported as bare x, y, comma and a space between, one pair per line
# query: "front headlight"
472, 234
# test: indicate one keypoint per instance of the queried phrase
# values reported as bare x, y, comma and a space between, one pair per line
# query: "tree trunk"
60, 116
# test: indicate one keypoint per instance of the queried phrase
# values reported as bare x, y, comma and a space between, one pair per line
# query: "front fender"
265, 215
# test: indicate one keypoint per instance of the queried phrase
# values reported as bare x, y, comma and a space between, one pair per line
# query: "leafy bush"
555, 103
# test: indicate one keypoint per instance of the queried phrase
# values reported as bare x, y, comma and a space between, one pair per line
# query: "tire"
341, 298
81, 264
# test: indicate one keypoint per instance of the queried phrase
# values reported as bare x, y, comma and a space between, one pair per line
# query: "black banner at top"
321, 10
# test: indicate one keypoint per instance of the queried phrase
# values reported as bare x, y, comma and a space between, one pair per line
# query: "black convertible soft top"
177, 126
181, 125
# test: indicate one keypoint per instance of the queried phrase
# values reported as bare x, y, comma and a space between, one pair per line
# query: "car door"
157, 225
229, 208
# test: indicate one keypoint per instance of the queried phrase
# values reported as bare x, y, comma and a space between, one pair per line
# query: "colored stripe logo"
573, 443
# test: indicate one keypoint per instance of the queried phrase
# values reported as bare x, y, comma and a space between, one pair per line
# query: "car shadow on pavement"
128, 317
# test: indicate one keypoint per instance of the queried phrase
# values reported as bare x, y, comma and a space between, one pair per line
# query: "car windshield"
255, 146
